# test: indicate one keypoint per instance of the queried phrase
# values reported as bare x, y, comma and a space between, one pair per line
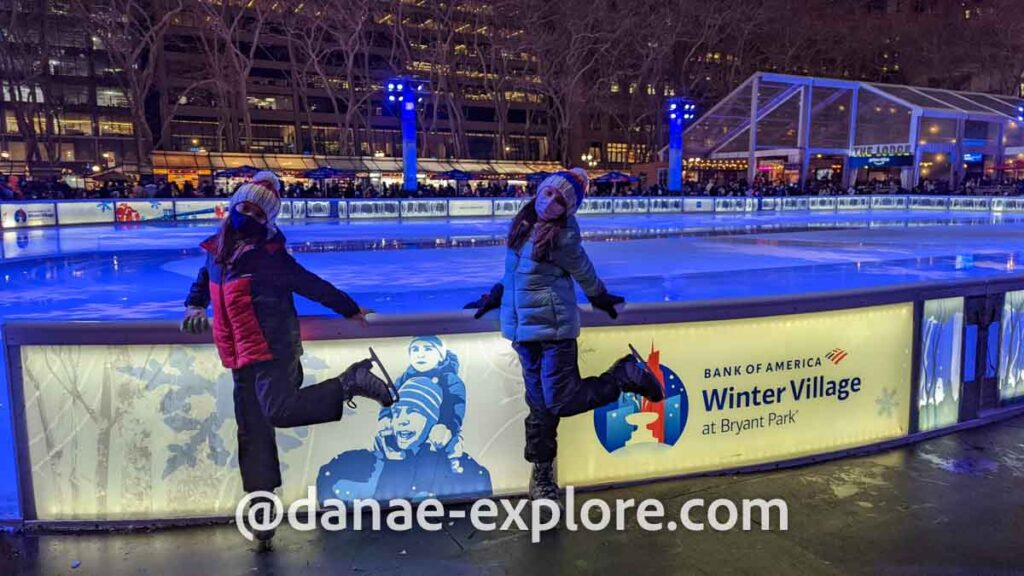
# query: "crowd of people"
57, 189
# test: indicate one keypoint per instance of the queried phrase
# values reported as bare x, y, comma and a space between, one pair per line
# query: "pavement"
950, 505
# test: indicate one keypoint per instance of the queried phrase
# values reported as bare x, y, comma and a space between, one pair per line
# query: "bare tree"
502, 70
570, 40
132, 33
26, 84
228, 36
996, 32
354, 33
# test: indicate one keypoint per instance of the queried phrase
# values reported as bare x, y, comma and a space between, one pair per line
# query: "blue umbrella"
328, 173
614, 177
457, 175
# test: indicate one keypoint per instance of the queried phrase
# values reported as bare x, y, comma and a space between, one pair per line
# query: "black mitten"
606, 302
488, 302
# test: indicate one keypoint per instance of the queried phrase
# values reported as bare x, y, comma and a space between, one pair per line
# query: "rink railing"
67, 212
121, 423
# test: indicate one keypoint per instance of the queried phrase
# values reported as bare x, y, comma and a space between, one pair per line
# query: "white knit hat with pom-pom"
263, 192
571, 184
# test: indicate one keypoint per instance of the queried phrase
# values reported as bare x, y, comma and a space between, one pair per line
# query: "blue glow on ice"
143, 271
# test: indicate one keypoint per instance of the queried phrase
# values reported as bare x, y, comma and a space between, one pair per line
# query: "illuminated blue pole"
680, 111
403, 96
409, 140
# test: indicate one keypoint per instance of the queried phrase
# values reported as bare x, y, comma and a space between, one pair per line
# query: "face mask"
550, 205
247, 225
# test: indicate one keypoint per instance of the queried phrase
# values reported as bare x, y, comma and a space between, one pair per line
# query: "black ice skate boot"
542, 483
635, 376
359, 380
264, 537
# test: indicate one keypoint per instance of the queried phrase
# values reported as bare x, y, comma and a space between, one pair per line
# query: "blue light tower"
404, 96
680, 111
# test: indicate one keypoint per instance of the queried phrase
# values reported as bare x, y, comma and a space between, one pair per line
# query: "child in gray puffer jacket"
539, 315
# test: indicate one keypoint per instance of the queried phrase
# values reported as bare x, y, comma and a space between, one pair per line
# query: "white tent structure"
796, 126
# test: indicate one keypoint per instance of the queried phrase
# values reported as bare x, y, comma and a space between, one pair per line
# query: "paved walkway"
952, 505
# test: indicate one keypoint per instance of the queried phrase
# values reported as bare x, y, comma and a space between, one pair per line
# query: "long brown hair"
228, 240
526, 225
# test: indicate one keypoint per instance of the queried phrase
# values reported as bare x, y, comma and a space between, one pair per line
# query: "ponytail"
545, 233
227, 240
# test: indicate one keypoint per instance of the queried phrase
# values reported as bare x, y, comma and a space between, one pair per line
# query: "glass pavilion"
790, 128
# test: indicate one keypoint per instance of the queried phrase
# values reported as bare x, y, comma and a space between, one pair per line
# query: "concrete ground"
951, 505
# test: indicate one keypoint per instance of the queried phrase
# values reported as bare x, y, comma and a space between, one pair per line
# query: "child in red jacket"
249, 278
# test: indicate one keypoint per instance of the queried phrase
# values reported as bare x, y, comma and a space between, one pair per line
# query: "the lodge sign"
883, 150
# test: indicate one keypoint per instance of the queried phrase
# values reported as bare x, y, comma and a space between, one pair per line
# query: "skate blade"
387, 377
640, 359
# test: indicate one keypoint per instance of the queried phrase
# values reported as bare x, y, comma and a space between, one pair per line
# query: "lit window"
617, 152
111, 97
110, 127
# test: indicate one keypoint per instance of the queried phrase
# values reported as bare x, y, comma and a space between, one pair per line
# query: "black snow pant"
555, 389
269, 395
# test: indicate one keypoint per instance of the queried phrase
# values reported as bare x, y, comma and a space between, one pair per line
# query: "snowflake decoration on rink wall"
887, 402
197, 401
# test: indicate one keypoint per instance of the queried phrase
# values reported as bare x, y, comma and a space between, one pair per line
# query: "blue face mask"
247, 225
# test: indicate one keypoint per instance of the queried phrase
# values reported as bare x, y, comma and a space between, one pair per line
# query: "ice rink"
401, 267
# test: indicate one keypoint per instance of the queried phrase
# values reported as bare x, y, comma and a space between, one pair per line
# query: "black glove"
487, 302
196, 321
606, 302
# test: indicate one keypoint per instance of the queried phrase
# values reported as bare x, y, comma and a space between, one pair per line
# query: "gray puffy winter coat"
539, 302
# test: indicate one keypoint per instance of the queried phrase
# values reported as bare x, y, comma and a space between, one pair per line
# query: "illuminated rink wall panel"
942, 326
698, 361
1011, 347
123, 432
9, 509
148, 432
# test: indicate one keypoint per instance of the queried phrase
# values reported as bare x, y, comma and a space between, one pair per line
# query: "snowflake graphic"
886, 402
197, 401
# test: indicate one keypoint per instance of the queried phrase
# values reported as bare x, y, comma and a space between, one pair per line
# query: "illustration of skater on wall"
418, 449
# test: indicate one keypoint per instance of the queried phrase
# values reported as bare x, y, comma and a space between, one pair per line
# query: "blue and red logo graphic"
632, 420
836, 355
20, 216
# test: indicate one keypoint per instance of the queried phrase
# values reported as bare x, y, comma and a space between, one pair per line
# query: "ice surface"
143, 271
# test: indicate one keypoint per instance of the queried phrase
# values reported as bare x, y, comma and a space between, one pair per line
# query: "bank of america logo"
836, 355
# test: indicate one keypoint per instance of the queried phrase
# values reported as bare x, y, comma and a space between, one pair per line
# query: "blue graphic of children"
430, 358
411, 468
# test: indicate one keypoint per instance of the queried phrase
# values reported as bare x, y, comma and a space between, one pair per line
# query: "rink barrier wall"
159, 426
34, 213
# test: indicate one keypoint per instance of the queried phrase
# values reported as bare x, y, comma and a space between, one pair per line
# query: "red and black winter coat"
254, 318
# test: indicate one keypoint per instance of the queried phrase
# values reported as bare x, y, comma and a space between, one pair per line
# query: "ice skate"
359, 380
264, 537
543, 485
635, 376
